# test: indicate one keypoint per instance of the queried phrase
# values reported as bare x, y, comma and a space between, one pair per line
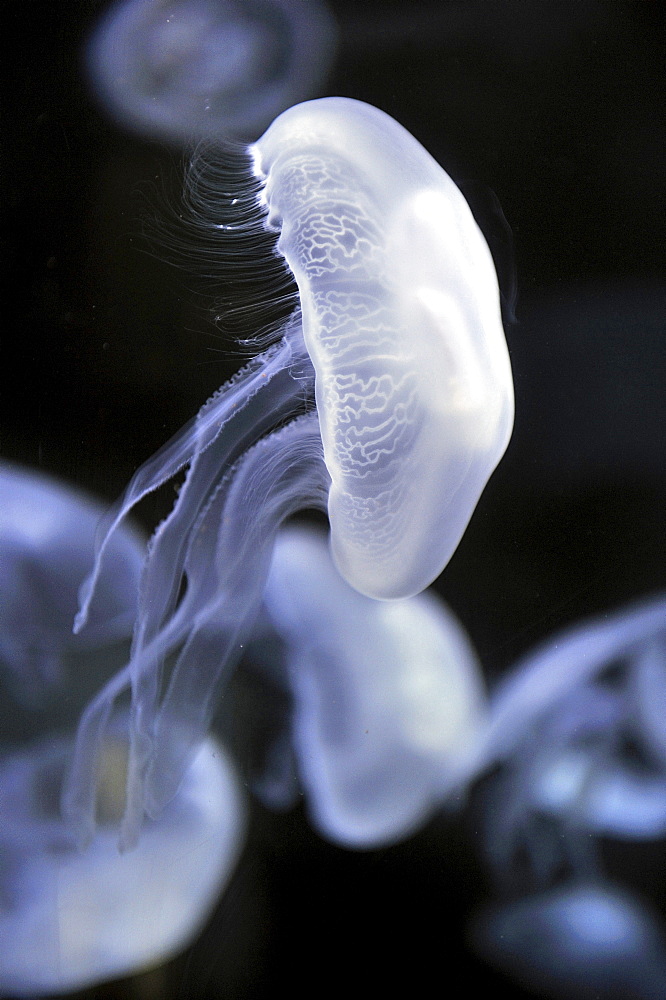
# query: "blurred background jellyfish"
578, 727
47, 538
70, 919
588, 940
187, 70
387, 697
395, 360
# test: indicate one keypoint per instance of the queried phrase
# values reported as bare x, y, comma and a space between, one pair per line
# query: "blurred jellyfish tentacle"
185, 70
388, 699
584, 939
47, 534
648, 686
70, 919
544, 677
413, 406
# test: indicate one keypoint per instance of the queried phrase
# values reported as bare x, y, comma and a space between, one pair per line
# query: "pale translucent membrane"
47, 535
185, 70
69, 920
428, 353
402, 322
388, 697
591, 941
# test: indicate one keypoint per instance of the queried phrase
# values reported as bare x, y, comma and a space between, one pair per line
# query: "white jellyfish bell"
187, 70
388, 701
69, 919
396, 360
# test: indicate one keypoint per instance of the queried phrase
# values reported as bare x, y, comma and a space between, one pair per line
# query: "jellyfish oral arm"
232, 419
277, 477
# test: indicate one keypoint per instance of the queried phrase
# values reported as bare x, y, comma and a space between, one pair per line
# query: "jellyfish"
187, 70
578, 728
391, 392
68, 919
388, 700
47, 538
583, 939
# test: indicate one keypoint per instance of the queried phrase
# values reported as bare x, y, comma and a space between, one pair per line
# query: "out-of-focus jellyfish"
587, 940
397, 355
579, 728
70, 919
186, 70
388, 700
47, 538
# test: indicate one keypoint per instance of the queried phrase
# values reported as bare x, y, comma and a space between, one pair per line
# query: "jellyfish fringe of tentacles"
391, 392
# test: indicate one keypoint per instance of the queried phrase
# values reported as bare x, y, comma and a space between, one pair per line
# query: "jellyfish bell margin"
391, 390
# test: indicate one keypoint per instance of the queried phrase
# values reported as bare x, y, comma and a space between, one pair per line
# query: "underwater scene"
332, 485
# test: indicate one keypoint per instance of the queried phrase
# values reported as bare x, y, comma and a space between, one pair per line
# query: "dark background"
552, 110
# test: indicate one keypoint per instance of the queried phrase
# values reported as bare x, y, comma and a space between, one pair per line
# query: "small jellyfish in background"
387, 697
47, 538
186, 70
69, 919
578, 726
391, 390
581, 941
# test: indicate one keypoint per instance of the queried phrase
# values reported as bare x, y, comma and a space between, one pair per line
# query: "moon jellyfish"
587, 940
47, 538
578, 726
388, 700
185, 70
392, 396
70, 919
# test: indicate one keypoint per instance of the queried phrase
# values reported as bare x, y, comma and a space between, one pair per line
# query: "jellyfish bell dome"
47, 538
402, 321
69, 919
388, 697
